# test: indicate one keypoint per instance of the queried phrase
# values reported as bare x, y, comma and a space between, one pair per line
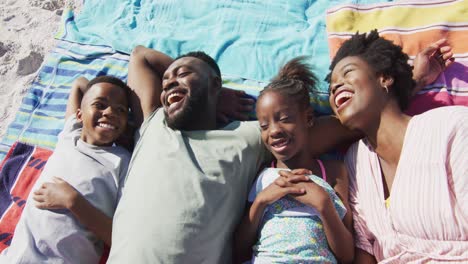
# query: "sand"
27, 29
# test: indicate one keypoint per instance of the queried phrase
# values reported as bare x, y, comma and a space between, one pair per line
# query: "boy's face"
104, 113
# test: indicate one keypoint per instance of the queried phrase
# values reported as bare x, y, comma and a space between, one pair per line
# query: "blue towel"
250, 39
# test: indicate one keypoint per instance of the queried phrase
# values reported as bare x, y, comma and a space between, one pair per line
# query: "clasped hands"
298, 185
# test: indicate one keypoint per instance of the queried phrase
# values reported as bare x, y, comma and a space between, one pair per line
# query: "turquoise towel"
250, 39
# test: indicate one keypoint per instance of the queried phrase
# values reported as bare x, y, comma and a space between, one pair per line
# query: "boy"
92, 169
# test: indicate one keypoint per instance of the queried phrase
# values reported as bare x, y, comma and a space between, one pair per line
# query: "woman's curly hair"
295, 80
384, 58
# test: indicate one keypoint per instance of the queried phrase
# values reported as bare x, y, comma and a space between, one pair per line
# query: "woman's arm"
330, 134
430, 63
61, 195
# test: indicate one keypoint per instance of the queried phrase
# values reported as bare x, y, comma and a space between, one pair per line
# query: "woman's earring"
386, 88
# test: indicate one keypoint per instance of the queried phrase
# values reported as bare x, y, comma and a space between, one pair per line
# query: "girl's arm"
246, 234
61, 195
337, 170
362, 257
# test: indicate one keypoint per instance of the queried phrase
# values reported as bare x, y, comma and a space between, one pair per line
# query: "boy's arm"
145, 71
76, 94
61, 195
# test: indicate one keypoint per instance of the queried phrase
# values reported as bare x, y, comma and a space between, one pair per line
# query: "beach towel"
18, 172
413, 25
250, 39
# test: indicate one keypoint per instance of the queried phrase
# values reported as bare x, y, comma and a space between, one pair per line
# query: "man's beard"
194, 107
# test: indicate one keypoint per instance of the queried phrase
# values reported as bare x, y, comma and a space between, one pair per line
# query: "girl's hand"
315, 196
274, 192
55, 195
232, 104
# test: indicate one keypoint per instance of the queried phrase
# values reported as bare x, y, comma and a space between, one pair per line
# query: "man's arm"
76, 94
145, 71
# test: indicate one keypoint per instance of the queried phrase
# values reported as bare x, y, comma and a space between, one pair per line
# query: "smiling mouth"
106, 126
343, 97
279, 145
174, 98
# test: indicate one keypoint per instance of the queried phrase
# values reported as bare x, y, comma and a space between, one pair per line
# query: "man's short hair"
204, 57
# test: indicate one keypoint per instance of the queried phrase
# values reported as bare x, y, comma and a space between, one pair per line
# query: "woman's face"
355, 92
284, 126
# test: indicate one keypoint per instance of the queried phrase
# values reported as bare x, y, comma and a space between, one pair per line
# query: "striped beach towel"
18, 173
413, 25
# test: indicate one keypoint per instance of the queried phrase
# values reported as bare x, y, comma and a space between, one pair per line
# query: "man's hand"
430, 62
55, 195
232, 104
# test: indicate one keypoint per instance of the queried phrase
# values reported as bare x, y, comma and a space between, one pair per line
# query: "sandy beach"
27, 29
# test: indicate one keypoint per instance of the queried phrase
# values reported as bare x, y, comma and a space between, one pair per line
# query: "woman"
408, 176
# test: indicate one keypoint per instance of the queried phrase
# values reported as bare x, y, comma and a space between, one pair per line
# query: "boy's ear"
78, 115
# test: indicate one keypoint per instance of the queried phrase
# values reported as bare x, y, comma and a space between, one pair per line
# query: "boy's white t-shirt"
55, 236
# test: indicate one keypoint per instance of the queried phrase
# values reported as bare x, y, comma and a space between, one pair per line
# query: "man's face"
186, 84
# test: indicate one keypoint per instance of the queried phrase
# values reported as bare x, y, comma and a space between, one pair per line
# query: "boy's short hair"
204, 57
109, 79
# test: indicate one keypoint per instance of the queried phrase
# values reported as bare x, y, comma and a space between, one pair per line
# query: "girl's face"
284, 126
356, 92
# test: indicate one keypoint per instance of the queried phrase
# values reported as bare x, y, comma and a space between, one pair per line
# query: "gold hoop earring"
386, 88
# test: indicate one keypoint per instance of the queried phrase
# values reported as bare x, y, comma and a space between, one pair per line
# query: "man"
187, 182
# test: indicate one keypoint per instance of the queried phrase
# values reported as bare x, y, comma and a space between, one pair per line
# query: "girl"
408, 176
303, 222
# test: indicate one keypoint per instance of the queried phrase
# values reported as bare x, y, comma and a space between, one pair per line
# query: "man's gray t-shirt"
185, 193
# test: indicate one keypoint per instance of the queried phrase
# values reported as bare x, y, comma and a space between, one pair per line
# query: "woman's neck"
387, 133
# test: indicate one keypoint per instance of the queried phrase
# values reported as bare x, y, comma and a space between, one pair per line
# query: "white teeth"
172, 96
279, 143
108, 126
340, 96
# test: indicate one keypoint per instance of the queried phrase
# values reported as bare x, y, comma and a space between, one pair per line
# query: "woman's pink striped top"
427, 220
